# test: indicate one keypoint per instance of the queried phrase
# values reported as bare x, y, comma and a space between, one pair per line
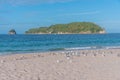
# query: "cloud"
113, 22
22, 2
80, 13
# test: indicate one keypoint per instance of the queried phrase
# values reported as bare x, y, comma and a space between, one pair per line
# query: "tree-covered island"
71, 28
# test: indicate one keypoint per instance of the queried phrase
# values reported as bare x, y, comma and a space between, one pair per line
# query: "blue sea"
12, 44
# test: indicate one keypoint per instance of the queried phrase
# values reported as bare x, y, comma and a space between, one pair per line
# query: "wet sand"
62, 65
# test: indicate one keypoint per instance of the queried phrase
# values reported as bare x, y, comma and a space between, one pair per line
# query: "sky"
22, 15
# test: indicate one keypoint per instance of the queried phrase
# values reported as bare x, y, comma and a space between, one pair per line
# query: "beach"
102, 64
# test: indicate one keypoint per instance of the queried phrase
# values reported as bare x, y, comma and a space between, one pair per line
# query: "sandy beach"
62, 65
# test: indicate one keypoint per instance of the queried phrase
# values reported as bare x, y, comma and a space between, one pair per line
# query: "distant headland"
70, 28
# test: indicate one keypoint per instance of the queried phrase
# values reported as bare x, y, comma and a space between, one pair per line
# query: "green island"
71, 28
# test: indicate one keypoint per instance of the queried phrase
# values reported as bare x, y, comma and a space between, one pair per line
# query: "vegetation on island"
74, 27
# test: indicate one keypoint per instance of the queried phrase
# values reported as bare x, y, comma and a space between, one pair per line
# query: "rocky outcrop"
102, 32
12, 31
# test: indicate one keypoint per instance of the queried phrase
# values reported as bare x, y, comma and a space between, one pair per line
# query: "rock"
12, 31
2, 61
58, 61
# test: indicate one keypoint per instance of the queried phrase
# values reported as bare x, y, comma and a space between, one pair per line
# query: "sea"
27, 43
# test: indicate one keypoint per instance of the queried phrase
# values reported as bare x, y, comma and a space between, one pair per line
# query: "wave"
93, 47
4, 52
56, 49
112, 47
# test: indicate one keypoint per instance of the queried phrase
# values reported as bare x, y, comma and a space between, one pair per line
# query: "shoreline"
79, 52
61, 33
62, 65
63, 50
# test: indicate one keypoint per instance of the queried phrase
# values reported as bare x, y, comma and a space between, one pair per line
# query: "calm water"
38, 43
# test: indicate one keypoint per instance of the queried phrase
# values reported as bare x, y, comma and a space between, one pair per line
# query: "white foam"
93, 47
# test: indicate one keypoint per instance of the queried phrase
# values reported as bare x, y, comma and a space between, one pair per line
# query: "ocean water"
11, 44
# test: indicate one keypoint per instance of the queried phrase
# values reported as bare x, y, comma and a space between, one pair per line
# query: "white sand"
77, 65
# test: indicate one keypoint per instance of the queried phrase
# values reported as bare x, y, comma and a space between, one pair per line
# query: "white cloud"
22, 2
80, 13
113, 22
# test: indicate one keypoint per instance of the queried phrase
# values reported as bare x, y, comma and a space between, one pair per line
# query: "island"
12, 31
70, 28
